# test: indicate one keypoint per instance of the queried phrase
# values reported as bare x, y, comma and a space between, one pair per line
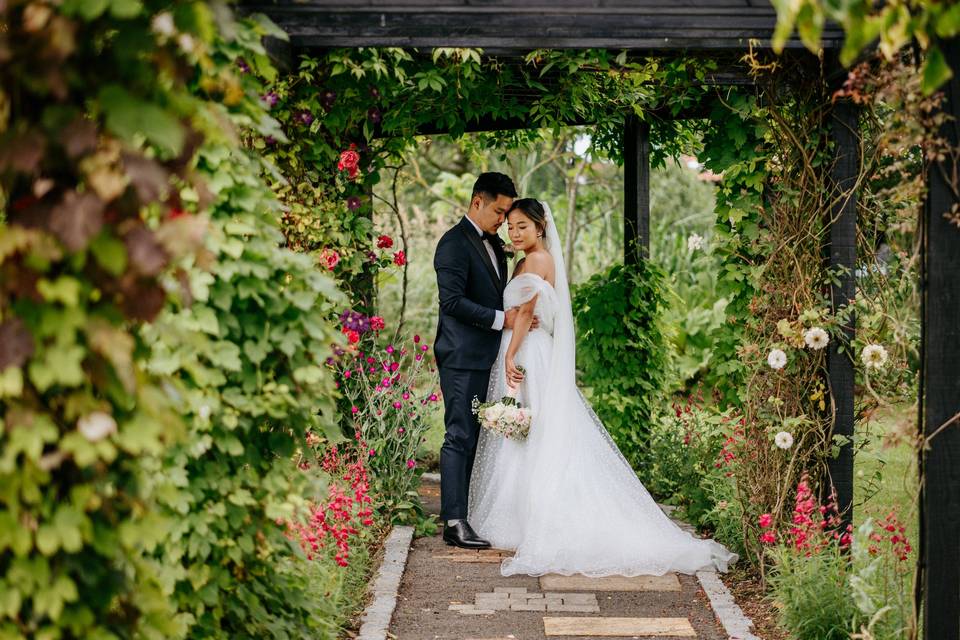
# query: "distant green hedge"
621, 350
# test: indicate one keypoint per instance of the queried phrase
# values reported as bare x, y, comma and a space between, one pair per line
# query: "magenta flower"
353, 203
372, 452
397, 404
354, 410
416, 338
411, 464
433, 397
389, 348
406, 396
766, 520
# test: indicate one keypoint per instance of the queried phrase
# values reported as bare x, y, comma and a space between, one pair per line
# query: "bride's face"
522, 230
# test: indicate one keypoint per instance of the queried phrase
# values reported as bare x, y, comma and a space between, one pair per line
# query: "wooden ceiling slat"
693, 25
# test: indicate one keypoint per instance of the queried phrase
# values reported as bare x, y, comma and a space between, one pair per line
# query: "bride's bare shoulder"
540, 263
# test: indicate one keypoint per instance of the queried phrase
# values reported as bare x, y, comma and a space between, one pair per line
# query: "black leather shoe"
462, 535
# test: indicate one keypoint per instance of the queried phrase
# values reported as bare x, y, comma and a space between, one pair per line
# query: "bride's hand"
514, 375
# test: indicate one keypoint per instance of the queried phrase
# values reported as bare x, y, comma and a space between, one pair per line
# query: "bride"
565, 499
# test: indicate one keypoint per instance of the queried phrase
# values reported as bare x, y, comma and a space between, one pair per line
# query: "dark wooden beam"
844, 129
523, 25
940, 382
487, 123
636, 190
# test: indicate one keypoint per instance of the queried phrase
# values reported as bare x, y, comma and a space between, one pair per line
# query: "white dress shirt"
498, 320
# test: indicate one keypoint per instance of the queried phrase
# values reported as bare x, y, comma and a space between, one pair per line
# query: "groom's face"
489, 213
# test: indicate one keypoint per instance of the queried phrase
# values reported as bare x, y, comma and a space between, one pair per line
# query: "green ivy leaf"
110, 253
128, 115
936, 71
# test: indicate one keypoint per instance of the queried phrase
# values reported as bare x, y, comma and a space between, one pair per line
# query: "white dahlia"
874, 356
783, 439
777, 359
816, 338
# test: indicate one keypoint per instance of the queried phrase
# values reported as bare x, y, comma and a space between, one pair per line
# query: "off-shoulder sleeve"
525, 287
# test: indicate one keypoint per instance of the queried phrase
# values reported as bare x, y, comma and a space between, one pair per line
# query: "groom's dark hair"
491, 184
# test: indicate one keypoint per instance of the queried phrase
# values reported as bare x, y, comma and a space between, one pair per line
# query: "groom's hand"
510, 316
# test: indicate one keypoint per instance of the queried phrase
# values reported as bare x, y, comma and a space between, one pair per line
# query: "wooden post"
940, 383
843, 256
636, 190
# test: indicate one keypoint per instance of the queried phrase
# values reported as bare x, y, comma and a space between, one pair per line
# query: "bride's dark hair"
532, 208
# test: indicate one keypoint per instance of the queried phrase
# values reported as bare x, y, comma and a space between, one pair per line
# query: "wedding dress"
565, 499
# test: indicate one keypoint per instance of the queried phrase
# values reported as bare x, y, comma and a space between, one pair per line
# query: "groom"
471, 271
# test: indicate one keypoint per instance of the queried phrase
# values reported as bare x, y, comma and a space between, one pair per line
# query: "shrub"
822, 590
392, 391
621, 352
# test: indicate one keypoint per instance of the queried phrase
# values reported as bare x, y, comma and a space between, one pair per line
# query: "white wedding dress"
565, 499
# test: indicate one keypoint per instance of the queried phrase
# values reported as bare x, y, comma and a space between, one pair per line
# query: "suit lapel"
467, 229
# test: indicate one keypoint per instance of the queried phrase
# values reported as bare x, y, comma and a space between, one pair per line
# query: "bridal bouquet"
504, 417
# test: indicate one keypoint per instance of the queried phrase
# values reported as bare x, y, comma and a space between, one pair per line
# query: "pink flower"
399, 258
397, 405
433, 397
372, 452
766, 520
406, 396
389, 348
354, 409
377, 323
768, 537
411, 464
330, 258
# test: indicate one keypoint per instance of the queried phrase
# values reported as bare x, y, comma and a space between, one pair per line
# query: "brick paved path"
450, 593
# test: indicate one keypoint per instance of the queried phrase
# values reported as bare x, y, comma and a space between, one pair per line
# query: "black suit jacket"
470, 294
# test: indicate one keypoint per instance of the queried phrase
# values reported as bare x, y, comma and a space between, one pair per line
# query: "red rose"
399, 259
352, 336
384, 242
349, 160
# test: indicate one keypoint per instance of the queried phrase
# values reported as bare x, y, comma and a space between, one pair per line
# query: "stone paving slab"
619, 627
432, 583
668, 582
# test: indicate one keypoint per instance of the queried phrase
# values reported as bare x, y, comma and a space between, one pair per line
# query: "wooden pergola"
721, 29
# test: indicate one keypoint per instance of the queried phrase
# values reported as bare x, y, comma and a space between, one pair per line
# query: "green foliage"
682, 454
116, 520
895, 24
621, 351
812, 593
392, 393
248, 356
97, 133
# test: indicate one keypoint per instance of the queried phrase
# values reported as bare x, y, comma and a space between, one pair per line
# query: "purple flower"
374, 115
374, 93
305, 117
271, 98
327, 98
270, 140
353, 203
243, 66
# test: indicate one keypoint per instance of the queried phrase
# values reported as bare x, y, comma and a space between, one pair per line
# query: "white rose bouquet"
504, 417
